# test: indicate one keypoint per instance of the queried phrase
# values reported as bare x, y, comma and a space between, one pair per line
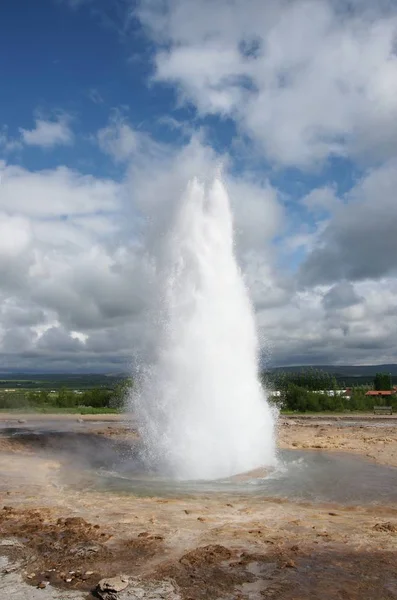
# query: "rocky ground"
374, 438
61, 539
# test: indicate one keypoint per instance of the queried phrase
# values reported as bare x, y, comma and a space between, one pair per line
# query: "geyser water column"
201, 409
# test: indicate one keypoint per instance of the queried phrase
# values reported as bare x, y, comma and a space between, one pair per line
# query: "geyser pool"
201, 409
88, 461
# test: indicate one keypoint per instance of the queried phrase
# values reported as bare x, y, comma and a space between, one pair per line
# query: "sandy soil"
208, 547
373, 438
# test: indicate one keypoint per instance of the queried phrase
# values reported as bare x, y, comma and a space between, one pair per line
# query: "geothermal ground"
60, 534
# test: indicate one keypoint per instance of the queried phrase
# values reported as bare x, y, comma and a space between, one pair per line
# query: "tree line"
64, 398
315, 390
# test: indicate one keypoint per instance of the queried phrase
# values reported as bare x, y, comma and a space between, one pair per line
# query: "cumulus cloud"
47, 134
360, 240
342, 295
54, 192
306, 80
78, 279
7, 143
303, 81
123, 143
77, 250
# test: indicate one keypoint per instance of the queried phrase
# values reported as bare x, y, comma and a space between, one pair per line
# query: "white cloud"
305, 80
359, 242
321, 199
7, 143
77, 279
47, 134
56, 192
123, 143
119, 140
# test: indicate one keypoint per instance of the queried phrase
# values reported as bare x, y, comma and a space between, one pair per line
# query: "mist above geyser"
201, 409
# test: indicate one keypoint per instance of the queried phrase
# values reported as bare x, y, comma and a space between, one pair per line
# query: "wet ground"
77, 508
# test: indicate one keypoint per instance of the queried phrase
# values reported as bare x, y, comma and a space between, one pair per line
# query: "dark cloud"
360, 241
341, 295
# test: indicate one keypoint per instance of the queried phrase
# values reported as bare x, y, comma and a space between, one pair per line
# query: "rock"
290, 564
386, 527
11, 543
146, 590
84, 550
42, 585
21, 420
144, 534
332, 514
113, 584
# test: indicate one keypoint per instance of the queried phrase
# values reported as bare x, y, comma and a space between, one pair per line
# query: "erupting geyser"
202, 411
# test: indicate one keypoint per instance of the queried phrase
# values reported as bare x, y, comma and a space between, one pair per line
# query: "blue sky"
107, 109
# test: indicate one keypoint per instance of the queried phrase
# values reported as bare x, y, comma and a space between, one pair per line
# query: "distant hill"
345, 375
58, 380
344, 370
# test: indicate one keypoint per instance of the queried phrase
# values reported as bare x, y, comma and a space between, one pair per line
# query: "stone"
148, 590
11, 543
290, 564
113, 584
43, 584
386, 527
84, 550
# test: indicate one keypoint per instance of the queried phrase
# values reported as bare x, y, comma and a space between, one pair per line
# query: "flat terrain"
58, 528
369, 436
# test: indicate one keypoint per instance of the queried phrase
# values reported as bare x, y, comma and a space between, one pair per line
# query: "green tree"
296, 398
66, 398
382, 381
120, 394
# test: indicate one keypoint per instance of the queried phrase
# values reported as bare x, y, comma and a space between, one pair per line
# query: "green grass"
340, 413
56, 410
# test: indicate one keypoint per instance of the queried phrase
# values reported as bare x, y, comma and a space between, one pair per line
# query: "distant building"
382, 393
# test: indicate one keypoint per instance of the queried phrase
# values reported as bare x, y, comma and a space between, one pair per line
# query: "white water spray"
202, 411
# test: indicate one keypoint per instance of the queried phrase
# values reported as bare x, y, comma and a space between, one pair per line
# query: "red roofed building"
382, 393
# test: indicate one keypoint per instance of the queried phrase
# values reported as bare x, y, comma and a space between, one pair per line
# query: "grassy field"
51, 410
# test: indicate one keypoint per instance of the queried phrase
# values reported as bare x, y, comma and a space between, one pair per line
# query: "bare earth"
377, 443
64, 538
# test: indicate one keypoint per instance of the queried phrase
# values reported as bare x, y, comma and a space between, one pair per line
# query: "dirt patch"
70, 552
205, 572
11, 445
212, 546
386, 527
373, 442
